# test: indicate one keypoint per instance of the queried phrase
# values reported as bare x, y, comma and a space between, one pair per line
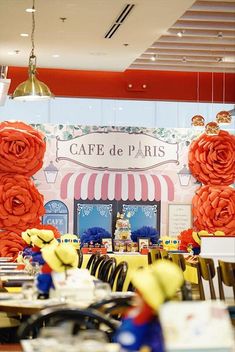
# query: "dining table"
11, 347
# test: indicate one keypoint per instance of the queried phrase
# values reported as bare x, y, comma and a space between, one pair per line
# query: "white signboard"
117, 151
179, 218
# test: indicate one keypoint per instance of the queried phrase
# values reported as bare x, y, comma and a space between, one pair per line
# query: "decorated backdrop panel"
92, 172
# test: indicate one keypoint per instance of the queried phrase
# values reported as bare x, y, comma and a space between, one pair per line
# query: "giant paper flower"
21, 205
11, 244
214, 209
212, 159
22, 148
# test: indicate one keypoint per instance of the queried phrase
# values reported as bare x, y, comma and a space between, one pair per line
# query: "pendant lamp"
32, 89
224, 117
198, 121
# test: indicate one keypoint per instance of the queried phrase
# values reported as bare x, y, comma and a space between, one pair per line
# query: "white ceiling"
150, 28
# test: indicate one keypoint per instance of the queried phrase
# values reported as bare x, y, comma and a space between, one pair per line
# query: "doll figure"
58, 258
70, 238
141, 327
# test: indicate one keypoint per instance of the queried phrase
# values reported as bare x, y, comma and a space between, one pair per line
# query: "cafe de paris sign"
117, 151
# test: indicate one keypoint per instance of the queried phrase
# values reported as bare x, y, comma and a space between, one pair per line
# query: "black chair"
80, 257
118, 277
82, 319
92, 258
97, 263
106, 269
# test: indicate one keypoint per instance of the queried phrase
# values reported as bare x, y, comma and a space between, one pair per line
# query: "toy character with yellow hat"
31, 249
141, 327
58, 258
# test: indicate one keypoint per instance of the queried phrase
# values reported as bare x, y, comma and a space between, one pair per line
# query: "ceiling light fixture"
180, 34
153, 57
224, 117
31, 9
198, 120
24, 34
32, 89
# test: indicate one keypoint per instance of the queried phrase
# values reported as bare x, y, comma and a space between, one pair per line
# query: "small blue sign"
56, 215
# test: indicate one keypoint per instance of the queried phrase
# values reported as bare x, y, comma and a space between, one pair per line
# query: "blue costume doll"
141, 327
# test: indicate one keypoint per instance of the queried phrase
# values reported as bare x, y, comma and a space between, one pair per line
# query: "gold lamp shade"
223, 118
212, 128
198, 120
32, 89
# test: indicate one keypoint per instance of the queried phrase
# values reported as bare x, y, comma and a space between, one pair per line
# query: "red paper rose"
214, 209
21, 205
11, 244
212, 159
22, 148
186, 238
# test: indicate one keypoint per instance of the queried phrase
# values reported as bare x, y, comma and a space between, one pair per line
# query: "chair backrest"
106, 269
179, 260
83, 319
80, 257
226, 276
96, 264
92, 258
164, 254
118, 277
158, 254
207, 272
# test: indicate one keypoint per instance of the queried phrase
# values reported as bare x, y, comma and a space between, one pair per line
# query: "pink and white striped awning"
119, 186
109, 186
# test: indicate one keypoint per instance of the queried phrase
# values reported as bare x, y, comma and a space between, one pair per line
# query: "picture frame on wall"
108, 244
179, 218
143, 242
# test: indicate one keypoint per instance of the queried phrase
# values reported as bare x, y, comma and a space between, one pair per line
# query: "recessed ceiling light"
15, 52
56, 55
219, 59
24, 34
180, 33
229, 59
30, 10
153, 57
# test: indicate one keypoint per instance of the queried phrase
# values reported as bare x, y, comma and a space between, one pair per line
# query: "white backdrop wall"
111, 112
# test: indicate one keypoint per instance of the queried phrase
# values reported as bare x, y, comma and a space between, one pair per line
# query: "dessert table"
136, 260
